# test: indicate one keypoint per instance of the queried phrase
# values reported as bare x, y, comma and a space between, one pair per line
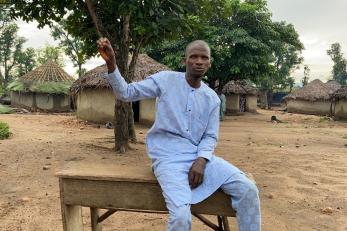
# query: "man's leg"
245, 201
180, 218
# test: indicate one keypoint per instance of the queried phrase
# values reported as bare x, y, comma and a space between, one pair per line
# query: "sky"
318, 22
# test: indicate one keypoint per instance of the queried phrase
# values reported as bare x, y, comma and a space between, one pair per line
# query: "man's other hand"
106, 51
196, 172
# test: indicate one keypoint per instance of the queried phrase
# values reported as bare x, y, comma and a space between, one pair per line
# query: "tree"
245, 44
339, 68
26, 61
238, 33
129, 25
306, 76
286, 50
10, 49
50, 53
73, 46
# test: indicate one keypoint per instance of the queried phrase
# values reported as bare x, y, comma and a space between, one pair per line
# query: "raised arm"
145, 89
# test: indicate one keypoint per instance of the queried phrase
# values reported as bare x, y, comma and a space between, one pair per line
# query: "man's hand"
106, 51
196, 172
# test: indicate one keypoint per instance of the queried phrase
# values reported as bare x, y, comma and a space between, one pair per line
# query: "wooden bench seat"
123, 188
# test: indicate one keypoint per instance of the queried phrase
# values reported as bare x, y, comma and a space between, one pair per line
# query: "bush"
5, 109
4, 131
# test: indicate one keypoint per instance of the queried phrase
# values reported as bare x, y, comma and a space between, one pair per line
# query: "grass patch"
4, 131
345, 137
324, 119
5, 109
43, 87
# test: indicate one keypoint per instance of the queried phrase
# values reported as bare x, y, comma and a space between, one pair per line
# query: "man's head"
197, 58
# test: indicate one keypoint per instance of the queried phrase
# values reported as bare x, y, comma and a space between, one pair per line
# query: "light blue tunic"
185, 128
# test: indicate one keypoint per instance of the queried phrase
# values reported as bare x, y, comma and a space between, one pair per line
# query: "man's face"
197, 61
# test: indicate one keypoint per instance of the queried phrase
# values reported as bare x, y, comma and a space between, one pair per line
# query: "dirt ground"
300, 167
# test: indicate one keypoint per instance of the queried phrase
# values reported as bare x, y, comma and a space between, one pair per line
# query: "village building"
95, 100
340, 104
240, 97
315, 98
45, 88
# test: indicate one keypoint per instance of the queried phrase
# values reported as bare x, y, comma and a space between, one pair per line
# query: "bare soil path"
300, 167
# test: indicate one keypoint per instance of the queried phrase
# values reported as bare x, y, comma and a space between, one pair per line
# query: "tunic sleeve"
209, 138
144, 89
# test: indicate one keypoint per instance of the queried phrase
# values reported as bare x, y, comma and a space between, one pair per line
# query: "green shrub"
5, 109
4, 131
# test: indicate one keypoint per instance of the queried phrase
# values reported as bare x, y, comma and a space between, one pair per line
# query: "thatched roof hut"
145, 66
239, 87
241, 96
340, 104
95, 99
44, 88
314, 98
341, 93
313, 91
47, 72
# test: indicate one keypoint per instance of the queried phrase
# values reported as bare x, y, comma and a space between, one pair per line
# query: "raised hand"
107, 53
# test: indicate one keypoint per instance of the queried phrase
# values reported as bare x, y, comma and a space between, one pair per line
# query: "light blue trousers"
245, 201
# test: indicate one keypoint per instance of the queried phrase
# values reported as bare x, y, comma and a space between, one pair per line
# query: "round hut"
315, 98
45, 88
95, 99
241, 96
340, 104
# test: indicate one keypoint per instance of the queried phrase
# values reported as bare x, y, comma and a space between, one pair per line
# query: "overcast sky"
318, 22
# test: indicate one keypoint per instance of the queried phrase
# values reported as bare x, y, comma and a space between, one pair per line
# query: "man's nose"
199, 61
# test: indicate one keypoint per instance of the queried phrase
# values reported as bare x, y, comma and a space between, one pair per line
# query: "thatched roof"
341, 93
315, 90
239, 87
94, 78
47, 72
48, 78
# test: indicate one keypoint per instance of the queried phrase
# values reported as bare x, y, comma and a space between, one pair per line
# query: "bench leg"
94, 216
72, 217
225, 223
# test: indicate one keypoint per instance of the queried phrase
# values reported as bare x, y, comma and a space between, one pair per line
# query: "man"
182, 140
222, 104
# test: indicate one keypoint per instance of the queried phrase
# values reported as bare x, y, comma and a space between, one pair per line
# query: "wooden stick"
92, 13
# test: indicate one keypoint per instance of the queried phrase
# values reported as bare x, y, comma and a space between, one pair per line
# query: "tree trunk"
121, 128
79, 70
131, 125
121, 132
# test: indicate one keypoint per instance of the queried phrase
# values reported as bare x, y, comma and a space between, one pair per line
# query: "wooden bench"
124, 188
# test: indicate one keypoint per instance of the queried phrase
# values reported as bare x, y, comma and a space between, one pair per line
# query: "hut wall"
232, 104
147, 111
22, 99
307, 107
96, 105
52, 102
251, 103
341, 109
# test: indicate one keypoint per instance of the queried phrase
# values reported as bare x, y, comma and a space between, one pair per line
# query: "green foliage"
10, 49
16, 86
306, 75
74, 47
26, 61
51, 87
245, 44
5, 109
50, 53
4, 131
339, 69
43, 87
